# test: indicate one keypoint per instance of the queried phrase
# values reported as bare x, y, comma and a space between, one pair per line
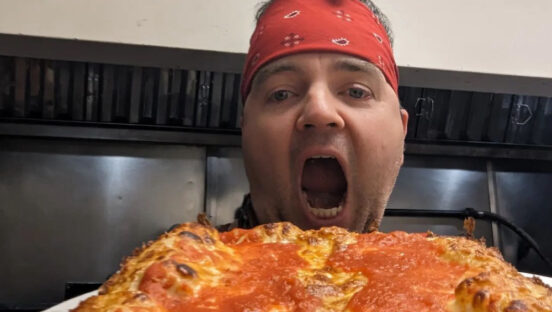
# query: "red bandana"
343, 26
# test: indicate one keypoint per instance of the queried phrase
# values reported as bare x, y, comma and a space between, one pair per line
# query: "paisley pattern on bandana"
292, 14
341, 41
292, 40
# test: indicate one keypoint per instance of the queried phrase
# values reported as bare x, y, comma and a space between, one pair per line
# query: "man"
323, 131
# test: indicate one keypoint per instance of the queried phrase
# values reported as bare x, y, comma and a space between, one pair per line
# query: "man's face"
323, 139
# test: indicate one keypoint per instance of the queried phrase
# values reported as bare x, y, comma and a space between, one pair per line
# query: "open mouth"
324, 186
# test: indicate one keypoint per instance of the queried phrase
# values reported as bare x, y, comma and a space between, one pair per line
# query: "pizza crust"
279, 267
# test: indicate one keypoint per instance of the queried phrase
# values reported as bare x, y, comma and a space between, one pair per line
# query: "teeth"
322, 156
322, 212
325, 213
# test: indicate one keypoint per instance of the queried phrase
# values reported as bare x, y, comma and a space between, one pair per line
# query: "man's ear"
242, 115
404, 118
242, 119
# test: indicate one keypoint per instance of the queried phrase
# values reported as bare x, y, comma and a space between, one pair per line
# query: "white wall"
506, 37
510, 37
219, 25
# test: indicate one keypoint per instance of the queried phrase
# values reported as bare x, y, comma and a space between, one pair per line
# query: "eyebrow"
352, 65
270, 70
345, 64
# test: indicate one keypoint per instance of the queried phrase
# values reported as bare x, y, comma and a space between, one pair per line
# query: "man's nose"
320, 112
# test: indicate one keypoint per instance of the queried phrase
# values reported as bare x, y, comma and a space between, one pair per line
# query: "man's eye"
357, 93
280, 95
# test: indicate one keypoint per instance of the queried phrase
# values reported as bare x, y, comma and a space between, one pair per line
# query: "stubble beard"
380, 200
277, 203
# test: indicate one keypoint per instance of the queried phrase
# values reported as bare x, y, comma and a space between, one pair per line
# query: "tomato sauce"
404, 273
266, 279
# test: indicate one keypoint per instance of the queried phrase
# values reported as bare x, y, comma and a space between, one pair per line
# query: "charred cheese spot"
140, 297
321, 278
208, 240
286, 229
481, 298
185, 270
516, 306
188, 234
203, 220
137, 298
313, 241
538, 281
270, 228
322, 291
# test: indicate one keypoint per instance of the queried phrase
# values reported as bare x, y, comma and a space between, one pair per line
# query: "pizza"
279, 267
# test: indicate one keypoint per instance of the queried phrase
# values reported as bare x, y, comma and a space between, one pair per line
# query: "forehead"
301, 63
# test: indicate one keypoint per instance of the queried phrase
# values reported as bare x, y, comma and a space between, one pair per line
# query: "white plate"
67, 305
73, 303
547, 280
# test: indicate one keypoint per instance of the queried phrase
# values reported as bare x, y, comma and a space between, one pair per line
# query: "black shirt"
244, 217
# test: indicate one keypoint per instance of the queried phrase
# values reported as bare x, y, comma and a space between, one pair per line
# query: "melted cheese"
278, 267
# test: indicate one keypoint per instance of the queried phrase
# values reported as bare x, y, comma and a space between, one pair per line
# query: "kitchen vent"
477, 117
40, 90
45, 90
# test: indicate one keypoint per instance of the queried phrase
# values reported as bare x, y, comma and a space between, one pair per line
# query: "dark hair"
383, 19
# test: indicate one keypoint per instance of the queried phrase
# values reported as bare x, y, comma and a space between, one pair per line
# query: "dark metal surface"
478, 116
226, 184
478, 150
522, 119
523, 196
542, 129
110, 132
411, 100
481, 82
232, 138
120, 96
458, 115
438, 183
499, 117
71, 210
432, 116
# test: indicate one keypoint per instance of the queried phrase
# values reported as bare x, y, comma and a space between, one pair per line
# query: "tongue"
323, 200
324, 182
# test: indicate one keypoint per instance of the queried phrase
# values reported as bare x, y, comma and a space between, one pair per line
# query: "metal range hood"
480, 89
51, 93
